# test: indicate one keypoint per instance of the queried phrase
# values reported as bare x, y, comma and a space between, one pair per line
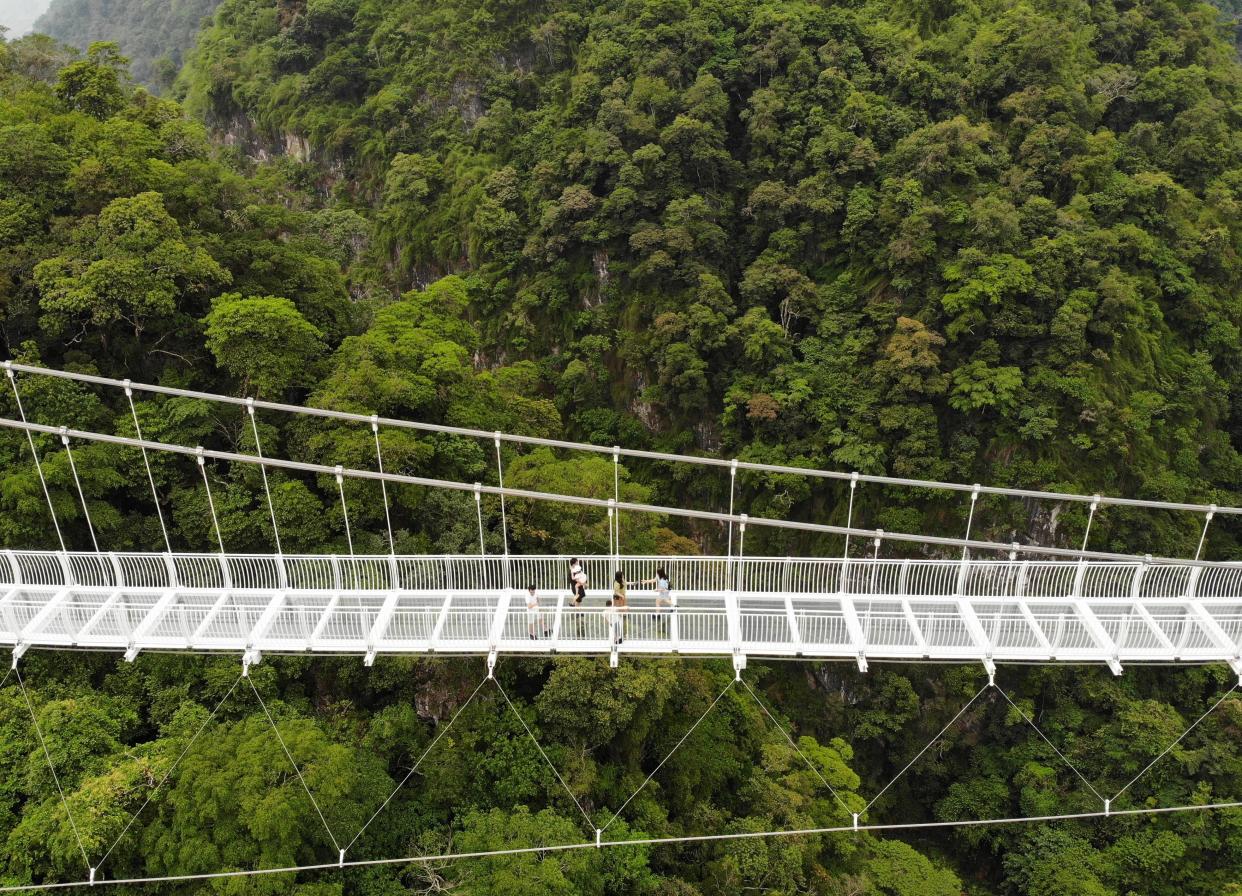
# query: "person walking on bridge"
620, 602
533, 621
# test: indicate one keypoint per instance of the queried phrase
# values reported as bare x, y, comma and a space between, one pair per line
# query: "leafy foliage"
994, 241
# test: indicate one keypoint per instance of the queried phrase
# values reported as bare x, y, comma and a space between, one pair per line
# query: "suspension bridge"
979, 601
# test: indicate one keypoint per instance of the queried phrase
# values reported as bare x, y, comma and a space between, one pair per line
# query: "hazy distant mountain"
152, 33
19, 15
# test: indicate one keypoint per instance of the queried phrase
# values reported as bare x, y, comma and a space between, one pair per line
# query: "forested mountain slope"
154, 34
993, 241
989, 241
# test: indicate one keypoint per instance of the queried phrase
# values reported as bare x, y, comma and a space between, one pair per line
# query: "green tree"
263, 340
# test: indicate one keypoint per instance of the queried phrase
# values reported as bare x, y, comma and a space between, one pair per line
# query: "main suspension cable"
504, 491
608, 844
699, 460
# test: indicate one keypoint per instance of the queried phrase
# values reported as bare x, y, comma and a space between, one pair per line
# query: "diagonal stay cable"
48, 756
1068, 764
647, 780
1192, 727
168, 774
794, 744
969, 703
543, 754
417, 763
289, 756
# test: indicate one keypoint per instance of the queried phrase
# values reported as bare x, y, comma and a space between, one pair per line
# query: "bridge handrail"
465, 573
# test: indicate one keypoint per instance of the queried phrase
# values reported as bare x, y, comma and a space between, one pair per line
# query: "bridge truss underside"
975, 610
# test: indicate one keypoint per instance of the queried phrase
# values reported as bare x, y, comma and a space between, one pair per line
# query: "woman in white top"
612, 618
532, 613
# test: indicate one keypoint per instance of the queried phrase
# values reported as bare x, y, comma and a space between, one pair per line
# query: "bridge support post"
598, 834
990, 666
739, 663
92, 881
491, 663
340, 862
1108, 808
855, 821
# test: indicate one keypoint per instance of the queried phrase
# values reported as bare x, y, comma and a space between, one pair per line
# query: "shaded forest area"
991, 242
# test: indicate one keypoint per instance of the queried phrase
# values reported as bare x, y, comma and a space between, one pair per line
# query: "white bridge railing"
981, 610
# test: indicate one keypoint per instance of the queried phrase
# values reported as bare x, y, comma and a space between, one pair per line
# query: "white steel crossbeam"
149, 621
914, 626
6, 610
795, 633
854, 630
440, 620
216, 608
1092, 624
382, 620
104, 609
1142, 613
35, 626
1035, 627
259, 631
1233, 655
977, 633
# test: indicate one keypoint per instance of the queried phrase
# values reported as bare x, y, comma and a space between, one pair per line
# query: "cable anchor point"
340, 862
598, 834
855, 821
1108, 808
92, 880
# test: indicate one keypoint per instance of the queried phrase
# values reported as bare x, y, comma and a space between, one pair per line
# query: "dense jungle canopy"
992, 241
